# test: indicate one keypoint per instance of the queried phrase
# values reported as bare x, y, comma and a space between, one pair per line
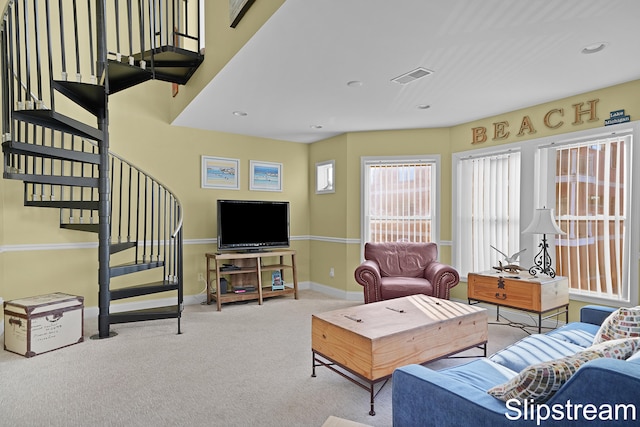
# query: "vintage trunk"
36, 325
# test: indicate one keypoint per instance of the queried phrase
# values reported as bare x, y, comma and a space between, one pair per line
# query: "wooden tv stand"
247, 271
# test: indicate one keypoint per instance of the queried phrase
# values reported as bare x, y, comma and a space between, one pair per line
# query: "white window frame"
434, 159
535, 196
325, 177
546, 194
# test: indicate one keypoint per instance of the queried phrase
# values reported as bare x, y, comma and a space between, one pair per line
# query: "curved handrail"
177, 228
180, 218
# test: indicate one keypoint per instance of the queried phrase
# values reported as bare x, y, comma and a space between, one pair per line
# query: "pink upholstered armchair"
393, 270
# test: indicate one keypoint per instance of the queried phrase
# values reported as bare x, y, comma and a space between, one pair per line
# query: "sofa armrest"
418, 391
595, 314
367, 274
443, 277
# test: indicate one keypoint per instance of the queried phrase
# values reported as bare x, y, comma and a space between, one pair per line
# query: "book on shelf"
277, 284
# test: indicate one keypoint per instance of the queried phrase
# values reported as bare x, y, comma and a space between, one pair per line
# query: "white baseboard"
337, 293
92, 312
512, 315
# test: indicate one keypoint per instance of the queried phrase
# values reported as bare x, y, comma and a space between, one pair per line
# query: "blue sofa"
458, 396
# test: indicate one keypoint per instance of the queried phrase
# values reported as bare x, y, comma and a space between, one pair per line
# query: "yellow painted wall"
338, 215
327, 210
327, 216
221, 43
348, 150
396, 143
624, 96
140, 132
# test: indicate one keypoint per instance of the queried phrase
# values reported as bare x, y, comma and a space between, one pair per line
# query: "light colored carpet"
246, 365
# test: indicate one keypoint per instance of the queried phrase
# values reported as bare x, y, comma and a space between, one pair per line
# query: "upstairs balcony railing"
49, 40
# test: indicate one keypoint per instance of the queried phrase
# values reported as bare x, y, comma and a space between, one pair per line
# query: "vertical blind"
592, 199
488, 210
399, 201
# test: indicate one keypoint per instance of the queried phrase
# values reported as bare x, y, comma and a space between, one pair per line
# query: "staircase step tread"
123, 76
123, 246
50, 152
91, 228
134, 267
156, 313
91, 97
132, 263
54, 120
62, 204
54, 179
143, 289
171, 63
170, 53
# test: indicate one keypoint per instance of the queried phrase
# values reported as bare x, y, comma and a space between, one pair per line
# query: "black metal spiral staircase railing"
61, 60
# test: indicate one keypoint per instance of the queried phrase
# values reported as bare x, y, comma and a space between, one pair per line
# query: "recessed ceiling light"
354, 83
423, 107
239, 113
594, 48
316, 126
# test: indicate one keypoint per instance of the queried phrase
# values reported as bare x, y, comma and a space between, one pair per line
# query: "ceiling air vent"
412, 75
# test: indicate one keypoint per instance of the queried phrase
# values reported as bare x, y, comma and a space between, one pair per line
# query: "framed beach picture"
220, 172
265, 176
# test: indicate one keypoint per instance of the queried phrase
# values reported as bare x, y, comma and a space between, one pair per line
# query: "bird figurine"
510, 259
509, 268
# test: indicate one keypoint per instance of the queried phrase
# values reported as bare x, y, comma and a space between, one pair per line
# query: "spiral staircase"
61, 60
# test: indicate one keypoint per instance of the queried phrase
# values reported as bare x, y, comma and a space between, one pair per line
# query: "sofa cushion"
540, 381
577, 333
396, 287
622, 323
481, 374
534, 349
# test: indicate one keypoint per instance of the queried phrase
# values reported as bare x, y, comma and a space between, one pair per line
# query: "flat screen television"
252, 225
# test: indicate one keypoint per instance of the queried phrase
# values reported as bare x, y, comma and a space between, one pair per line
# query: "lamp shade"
543, 222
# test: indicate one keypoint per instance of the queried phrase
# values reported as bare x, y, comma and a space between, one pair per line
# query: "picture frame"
265, 176
237, 9
220, 172
325, 177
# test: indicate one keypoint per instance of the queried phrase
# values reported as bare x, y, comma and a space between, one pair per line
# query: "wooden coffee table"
366, 343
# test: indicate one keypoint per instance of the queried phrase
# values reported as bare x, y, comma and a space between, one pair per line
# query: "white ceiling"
488, 57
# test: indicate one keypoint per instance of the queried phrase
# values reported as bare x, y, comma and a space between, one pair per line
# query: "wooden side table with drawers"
534, 294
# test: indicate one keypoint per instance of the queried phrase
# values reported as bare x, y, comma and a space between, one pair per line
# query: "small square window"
325, 177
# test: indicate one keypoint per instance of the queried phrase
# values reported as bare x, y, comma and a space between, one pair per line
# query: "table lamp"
543, 223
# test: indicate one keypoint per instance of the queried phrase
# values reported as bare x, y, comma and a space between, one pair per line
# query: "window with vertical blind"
592, 195
487, 210
589, 180
399, 199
